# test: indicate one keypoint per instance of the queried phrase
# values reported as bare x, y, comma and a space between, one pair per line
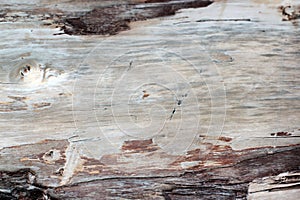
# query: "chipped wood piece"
275, 187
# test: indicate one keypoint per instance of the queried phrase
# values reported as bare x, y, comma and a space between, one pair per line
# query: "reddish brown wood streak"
139, 146
233, 171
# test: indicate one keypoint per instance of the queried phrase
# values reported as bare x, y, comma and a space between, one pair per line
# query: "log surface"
149, 99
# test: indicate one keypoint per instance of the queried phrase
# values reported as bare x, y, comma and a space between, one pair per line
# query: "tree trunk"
153, 99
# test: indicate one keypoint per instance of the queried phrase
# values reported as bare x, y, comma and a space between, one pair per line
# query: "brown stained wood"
190, 102
233, 171
113, 19
139, 145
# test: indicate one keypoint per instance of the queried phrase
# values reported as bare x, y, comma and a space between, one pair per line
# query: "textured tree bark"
149, 99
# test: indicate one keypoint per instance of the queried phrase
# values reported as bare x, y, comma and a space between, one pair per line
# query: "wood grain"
196, 105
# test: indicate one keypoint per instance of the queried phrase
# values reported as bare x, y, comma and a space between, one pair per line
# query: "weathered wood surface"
196, 105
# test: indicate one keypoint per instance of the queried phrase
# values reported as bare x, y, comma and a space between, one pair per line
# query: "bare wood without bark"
149, 100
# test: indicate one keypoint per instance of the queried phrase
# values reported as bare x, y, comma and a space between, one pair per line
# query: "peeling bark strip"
113, 19
224, 181
20, 185
230, 182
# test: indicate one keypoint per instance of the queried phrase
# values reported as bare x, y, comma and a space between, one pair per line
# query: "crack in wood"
224, 20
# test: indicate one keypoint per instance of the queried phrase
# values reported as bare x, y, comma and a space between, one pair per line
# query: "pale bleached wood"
213, 89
